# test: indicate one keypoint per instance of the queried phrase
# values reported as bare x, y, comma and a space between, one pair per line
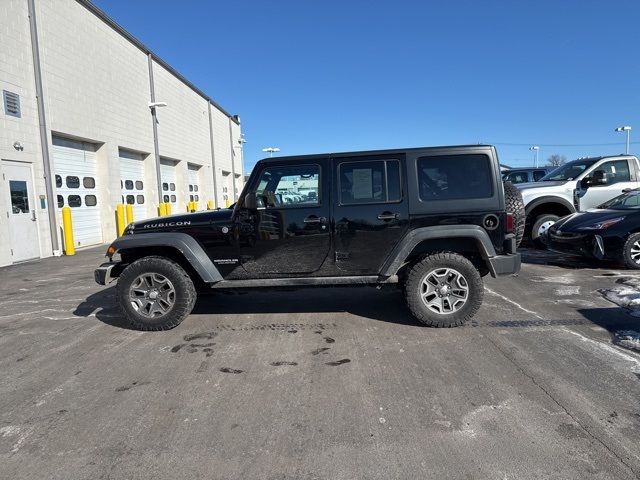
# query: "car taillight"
510, 223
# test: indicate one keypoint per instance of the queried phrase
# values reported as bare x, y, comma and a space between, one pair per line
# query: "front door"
21, 211
290, 232
371, 211
612, 177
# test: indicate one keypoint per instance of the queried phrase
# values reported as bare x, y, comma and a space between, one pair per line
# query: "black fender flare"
402, 250
185, 244
548, 199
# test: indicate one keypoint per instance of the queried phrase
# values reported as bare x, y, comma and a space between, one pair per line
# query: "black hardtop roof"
369, 152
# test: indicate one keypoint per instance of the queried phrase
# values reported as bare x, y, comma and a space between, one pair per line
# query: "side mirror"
250, 201
598, 178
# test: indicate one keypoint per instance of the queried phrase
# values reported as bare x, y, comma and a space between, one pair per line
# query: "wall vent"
11, 103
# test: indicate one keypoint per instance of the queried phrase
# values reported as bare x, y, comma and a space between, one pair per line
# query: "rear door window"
448, 177
370, 182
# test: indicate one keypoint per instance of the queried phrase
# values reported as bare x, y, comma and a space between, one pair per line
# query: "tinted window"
197, 198
191, 188
191, 198
369, 182
165, 198
281, 186
140, 199
73, 182
90, 200
195, 188
165, 187
60, 201
89, 182
518, 177
139, 185
131, 199
173, 199
538, 174
614, 171
172, 187
445, 177
19, 196
58, 181
74, 201
128, 184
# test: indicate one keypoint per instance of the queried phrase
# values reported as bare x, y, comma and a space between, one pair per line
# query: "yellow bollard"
195, 206
210, 205
120, 219
129, 210
168, 208
226, 203
162, 209
67, 226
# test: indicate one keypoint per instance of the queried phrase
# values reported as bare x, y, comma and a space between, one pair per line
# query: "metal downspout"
44, 141
213, 159
154, 119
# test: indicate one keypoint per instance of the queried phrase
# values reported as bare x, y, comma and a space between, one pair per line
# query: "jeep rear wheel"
443, 290
155, 293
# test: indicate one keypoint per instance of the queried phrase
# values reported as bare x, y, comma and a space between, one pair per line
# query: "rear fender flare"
402, 250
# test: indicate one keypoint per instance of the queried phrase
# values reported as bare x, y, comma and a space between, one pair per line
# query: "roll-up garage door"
168, 175
227, 188
132, 183
194, 183
76, 166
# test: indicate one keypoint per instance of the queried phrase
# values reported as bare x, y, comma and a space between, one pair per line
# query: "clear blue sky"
319, 76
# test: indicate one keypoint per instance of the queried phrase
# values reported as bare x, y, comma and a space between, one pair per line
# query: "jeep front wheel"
155, 293
444, 290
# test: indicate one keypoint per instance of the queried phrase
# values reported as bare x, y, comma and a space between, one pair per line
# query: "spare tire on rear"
515, 205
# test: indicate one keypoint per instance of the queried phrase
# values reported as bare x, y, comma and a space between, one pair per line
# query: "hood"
527, 185
182, 221
576, 221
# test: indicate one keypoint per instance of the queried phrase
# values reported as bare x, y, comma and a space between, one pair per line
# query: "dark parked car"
525, 175
433, 221
610, 231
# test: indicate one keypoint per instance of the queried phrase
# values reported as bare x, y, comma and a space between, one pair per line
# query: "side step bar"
305, 281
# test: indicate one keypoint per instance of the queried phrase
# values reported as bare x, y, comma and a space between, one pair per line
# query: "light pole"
271, 150
627, 129
536, 149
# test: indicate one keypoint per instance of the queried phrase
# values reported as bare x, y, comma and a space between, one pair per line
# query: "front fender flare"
185, 244
549, 199
402, 250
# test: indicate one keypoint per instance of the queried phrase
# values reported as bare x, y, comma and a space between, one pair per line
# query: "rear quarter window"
451, 177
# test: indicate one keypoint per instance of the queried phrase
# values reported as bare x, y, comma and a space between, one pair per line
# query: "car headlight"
602, 225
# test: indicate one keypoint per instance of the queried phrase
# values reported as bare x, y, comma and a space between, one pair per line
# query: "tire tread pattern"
515, 205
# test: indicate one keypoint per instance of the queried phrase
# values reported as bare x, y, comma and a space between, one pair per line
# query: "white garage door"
194, 183
227, 188
132, 183
76, 165
168, 175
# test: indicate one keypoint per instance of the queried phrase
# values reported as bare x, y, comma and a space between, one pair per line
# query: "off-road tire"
626, 251
419, 272
185, 293
535, 227
515, 205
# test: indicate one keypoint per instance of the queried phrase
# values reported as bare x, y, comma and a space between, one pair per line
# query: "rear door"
370, 211
290, 231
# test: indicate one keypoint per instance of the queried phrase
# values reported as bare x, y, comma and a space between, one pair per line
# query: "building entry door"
20, 210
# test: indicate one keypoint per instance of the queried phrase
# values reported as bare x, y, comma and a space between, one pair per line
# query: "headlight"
602, 225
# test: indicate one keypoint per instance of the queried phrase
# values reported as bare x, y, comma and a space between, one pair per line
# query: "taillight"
510, 222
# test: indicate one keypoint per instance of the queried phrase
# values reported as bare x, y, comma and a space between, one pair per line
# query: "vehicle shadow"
534, 256
385, 305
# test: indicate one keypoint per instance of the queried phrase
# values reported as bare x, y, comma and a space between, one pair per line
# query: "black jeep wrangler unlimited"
431, 220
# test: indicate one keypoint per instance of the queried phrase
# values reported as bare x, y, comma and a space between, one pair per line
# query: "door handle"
388, 216
314, 219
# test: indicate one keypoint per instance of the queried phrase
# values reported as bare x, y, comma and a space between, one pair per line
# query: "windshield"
626, 201
568, 171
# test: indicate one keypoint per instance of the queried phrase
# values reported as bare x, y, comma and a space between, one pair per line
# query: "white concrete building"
77, 129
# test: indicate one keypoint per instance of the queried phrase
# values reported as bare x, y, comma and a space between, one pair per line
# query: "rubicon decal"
167, 224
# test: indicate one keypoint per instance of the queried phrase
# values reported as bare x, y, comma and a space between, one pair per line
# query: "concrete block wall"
96, 89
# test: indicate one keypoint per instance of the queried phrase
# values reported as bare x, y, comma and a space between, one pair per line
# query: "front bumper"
587, 244
106, 273
505, 264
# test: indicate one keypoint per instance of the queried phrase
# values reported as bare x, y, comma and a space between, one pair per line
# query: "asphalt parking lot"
333, 383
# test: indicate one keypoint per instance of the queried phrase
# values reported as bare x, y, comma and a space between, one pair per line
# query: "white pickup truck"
576, 186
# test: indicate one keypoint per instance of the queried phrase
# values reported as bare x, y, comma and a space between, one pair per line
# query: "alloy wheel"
152, 295
444, 290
